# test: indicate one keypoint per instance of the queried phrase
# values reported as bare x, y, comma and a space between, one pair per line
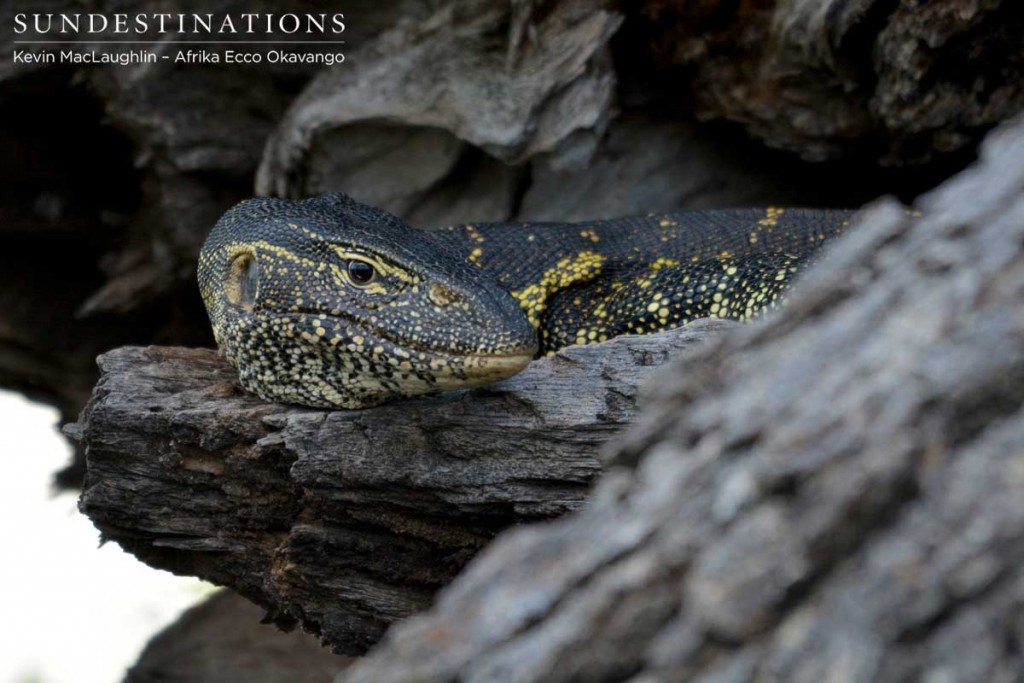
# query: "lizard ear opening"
243, 281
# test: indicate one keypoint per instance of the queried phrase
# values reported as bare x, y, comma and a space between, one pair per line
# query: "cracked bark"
111, 182
345, 520
899, 80
833, 494
113, 176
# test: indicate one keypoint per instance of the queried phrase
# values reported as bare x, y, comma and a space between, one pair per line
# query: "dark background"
458, 111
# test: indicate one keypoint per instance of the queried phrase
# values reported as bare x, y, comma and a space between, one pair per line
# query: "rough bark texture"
222, 641
903, 80
346, 520
450, 111
435, 86
459, 110
834, 494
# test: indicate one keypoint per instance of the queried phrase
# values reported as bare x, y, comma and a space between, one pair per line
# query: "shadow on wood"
221, 640
834, 494
346, 520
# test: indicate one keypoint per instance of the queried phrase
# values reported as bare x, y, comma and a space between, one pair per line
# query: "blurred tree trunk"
556, 109
835, 494
561, 110
221, 640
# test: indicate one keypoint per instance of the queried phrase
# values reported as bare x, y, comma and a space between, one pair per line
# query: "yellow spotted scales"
327, 302
588, 282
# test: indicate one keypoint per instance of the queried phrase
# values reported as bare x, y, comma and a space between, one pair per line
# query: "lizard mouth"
481, 370
450, 370
458, 369
429, 368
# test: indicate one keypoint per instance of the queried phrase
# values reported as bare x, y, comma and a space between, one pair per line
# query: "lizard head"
329, 303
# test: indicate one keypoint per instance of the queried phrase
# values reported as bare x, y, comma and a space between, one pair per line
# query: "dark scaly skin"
273, 275
471, 304
582, 283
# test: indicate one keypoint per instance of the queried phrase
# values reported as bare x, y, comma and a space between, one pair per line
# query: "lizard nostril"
442, 295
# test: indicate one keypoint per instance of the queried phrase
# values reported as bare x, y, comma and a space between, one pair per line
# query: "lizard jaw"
481, 370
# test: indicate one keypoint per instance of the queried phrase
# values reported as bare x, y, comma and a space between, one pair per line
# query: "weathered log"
428, 88
221, 640
900, 81
114, 174
346, 520
834, 494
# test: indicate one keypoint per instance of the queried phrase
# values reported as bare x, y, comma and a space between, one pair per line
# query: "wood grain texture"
898, 80
346, 520
451, 111
835, 494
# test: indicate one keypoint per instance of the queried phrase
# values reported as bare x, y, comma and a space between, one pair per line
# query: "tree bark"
114, 175
833, 494
902, 81
346, 520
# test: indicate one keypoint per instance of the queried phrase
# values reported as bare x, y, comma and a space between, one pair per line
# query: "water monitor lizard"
327, 302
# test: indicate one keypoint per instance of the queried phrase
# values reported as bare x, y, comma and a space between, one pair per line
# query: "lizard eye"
242, 286
361, 273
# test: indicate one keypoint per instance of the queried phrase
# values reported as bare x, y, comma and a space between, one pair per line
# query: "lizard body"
582, 283
330, 303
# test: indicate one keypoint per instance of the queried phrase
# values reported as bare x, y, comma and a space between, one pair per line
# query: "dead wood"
346, 520
835, 494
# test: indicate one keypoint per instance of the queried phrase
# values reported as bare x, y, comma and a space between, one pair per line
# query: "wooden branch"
427, 88
111, 183
834, 494
346, 520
